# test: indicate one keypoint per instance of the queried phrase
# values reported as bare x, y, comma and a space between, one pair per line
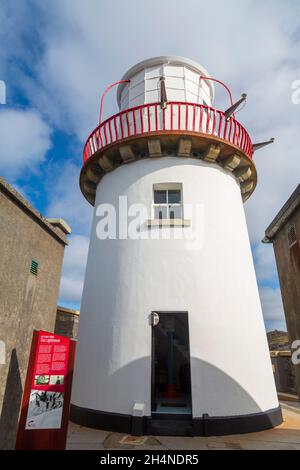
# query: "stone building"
66, 323
31, 252
284, 233
284, 372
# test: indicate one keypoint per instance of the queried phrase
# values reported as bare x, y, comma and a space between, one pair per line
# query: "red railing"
177, 116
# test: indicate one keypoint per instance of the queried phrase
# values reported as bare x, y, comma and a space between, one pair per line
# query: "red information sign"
46, 399
48, 382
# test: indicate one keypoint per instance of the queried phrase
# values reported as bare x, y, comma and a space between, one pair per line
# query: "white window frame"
168, 187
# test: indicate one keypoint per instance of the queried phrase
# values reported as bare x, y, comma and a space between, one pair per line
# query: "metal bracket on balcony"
163, 93
212, 152
154, 148
228, 113
105, 163
259, 145
184, 147
90, 187
126, 153
231, 162
94, 174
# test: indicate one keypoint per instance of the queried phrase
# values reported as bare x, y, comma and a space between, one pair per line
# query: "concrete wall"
288, 265
27, 301
213, 280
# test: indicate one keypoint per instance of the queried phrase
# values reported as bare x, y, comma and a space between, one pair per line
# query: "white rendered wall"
128, 279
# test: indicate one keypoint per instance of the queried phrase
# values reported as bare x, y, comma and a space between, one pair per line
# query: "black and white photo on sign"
45, 410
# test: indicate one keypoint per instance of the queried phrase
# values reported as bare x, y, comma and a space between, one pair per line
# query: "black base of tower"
176, 424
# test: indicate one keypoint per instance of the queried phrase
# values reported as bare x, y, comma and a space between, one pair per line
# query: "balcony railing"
176, 117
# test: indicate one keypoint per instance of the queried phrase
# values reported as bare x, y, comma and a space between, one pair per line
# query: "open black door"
171, 378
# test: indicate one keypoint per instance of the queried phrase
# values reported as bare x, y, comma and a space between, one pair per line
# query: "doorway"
171, 368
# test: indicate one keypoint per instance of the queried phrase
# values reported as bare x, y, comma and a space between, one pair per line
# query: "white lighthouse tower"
171, 334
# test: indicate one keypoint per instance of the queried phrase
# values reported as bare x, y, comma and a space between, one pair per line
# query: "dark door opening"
171, 378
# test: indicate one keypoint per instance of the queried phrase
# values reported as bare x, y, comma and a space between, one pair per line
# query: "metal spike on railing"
259, 145
232, 108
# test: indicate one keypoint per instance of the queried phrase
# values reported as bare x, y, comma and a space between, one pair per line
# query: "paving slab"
283, 437
182, 443
84, 446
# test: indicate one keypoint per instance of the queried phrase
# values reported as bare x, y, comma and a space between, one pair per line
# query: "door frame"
159, 312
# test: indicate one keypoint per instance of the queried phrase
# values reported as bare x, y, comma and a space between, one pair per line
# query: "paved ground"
286, 436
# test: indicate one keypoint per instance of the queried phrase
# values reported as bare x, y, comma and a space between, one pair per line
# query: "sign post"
46, 400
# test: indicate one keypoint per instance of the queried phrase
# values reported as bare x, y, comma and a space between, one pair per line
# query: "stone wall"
284, 372
66, 323
288, 265
28, 298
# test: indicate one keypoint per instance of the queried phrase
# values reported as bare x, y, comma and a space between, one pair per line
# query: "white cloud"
271, 305
67, 201
265, 264
70, 289
252, 45
83, 54
266, 273
25, 139
73, 269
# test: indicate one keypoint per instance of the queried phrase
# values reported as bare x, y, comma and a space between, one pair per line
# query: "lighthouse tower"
171, 334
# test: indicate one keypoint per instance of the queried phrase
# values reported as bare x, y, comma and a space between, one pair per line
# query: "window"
167, 202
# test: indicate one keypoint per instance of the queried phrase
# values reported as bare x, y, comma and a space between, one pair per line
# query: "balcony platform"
186, 130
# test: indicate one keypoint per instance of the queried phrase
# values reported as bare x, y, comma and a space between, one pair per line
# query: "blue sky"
58, 56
